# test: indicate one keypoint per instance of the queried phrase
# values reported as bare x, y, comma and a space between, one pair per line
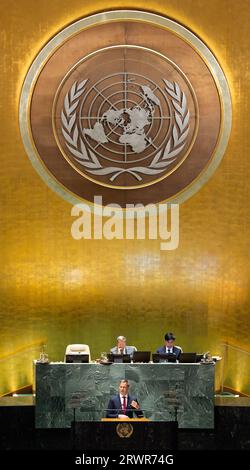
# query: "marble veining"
166, 392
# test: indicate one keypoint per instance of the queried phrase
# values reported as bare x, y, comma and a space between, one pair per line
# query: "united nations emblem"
124, 430
127, 105
126, 129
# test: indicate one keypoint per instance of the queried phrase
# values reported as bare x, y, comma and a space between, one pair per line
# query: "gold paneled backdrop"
56, 290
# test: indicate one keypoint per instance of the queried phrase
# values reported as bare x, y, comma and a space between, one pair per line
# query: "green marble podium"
165, 391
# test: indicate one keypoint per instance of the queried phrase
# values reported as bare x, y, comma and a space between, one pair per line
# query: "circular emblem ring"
124, 430
128, 105
125, 118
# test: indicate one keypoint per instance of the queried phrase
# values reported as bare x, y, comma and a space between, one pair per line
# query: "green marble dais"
165, 392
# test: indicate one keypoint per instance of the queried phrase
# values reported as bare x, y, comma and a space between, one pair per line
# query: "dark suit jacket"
115, 408
176, 351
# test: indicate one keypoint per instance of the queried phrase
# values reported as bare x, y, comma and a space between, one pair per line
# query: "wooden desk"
128, 420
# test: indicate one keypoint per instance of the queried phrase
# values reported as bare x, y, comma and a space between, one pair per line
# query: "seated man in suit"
123, 405
169, 346
122, 348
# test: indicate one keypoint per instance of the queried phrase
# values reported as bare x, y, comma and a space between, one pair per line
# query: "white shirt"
122, 402
122, 399
169, 350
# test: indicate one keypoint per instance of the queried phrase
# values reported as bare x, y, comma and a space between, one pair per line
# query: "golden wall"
58, 290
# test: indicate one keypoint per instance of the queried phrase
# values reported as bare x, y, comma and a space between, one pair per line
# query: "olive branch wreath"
88, 159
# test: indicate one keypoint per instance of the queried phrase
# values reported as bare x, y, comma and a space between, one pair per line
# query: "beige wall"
59, 291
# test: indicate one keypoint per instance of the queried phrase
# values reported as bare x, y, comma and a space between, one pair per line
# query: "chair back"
77, 349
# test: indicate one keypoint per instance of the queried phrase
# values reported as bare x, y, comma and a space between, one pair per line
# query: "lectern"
130, 434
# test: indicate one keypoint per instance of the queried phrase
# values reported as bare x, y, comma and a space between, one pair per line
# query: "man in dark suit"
123, 405
169, 347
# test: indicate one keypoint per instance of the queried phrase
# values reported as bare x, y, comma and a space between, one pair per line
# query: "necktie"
124, 405
168, 351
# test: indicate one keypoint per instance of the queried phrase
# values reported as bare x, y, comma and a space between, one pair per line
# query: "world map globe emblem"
128, 127
131, 118
128, 105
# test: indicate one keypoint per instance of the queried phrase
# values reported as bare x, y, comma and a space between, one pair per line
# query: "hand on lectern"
123, 417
